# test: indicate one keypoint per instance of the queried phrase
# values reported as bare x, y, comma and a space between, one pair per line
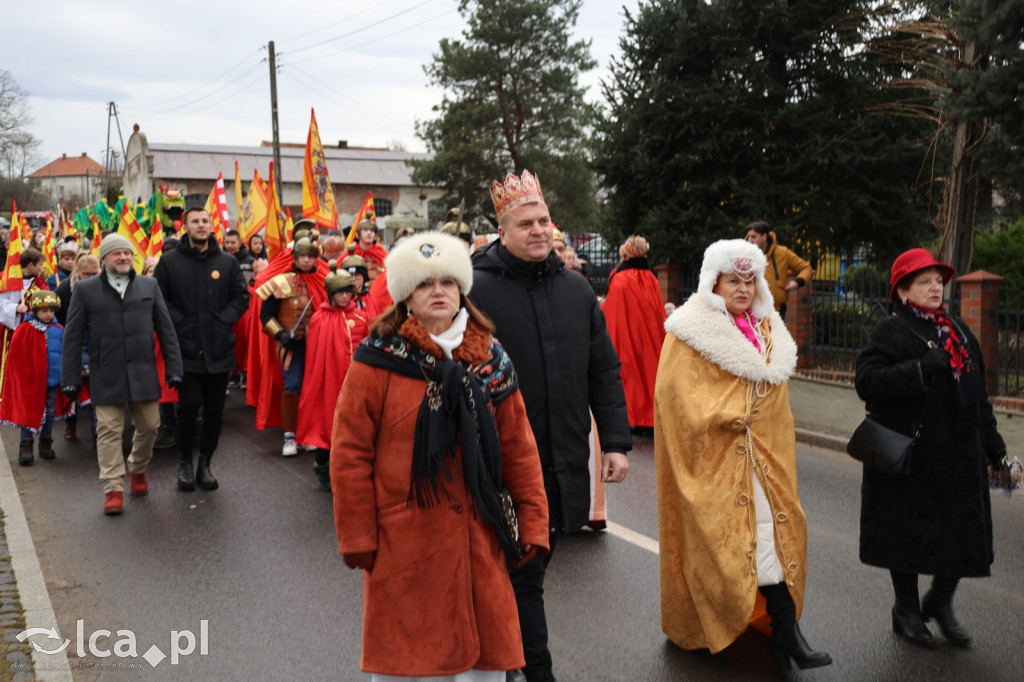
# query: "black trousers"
208, 391
528, 584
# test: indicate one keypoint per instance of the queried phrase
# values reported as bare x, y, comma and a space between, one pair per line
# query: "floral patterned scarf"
961, 366
459, 399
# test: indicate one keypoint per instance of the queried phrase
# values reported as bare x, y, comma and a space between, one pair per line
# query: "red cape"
23, 402
379, 293
167, 394
377, 252
264, 382
636, 323
6, 333
333, 336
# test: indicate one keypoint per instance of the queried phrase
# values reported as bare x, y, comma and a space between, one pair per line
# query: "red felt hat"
915, 260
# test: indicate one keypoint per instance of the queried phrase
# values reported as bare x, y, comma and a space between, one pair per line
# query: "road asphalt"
825, 415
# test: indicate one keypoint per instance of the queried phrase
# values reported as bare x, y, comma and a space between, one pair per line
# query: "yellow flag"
130, 229
317, 194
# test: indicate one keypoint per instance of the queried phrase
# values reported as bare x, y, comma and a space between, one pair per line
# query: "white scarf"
119, 282
451, 339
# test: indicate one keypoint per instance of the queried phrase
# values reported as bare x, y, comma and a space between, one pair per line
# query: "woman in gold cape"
730, 520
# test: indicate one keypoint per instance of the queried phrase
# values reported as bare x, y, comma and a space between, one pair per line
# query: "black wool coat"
935, 520
206, 294
549, 321
122, 355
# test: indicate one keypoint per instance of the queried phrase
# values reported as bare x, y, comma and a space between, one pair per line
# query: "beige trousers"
109, 427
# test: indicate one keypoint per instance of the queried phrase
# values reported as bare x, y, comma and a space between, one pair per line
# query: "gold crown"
43, 298
515, 192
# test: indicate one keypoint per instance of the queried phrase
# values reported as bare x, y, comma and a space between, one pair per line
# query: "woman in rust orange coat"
428, 430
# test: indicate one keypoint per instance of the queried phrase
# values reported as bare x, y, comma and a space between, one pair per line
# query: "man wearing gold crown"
550, 323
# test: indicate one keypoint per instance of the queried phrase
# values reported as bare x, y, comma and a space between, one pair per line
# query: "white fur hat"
721, 258
427, 255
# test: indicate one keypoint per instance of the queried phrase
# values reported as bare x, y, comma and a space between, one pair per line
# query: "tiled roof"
76, 166
346, 166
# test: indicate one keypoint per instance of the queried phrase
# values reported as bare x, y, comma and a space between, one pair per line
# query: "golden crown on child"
515, 192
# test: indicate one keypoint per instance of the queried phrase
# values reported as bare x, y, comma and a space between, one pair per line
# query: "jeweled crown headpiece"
515, 192
744, 269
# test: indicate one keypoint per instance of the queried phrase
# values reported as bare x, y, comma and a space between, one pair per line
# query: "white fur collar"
716, 337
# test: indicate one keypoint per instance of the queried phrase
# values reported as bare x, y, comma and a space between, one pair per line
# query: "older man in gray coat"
117, 314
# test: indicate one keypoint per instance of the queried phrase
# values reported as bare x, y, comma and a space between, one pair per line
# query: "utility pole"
273, 117
111, 155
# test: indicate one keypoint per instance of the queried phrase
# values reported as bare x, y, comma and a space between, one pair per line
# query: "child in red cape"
334, 332
31, 390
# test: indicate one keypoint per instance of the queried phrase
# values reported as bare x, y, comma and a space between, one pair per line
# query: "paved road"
258, 561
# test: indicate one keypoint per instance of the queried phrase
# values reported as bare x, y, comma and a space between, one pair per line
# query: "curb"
28, 577
822, 440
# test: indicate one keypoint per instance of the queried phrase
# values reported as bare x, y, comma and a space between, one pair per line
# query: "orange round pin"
215, 274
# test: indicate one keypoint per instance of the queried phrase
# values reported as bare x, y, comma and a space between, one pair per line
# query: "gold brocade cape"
711, 382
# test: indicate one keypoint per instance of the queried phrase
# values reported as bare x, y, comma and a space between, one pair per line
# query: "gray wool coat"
122, 354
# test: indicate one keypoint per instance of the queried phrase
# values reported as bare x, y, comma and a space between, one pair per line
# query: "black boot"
906, 613
186, 476
938, 604
322, 468
25, 456
787, 640
204, 478
46, 447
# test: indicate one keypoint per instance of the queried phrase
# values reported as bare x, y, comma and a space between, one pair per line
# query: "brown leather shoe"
70, 429
138, 484
114, 503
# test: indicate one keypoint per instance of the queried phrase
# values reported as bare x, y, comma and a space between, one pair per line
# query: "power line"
214, 80
312, 84
335, 23
362, 28
310, 78
187, 103
206, 105
375, 40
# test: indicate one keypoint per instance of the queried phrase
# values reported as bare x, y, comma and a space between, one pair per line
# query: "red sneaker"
114, 504
139, 485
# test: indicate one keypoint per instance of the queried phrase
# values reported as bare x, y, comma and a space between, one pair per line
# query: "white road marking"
633, 538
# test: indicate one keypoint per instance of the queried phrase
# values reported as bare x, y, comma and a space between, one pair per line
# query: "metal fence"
1006, 366
844, 312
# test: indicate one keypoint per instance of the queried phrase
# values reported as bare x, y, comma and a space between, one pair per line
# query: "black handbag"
884, 449
881, 448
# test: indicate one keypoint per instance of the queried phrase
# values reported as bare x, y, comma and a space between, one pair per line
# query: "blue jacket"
54, 340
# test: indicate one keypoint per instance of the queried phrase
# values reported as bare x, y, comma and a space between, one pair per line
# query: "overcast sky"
196, 72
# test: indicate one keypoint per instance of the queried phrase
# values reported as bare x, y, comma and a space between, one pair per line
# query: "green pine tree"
513, 101
726, 112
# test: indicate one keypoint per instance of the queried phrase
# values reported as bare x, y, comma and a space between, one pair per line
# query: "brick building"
72, 180
193, 169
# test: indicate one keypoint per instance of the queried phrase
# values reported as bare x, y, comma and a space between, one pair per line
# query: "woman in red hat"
923, 370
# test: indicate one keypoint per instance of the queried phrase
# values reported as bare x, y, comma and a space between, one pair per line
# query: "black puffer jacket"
206, 294
122, 357
549, 321
936, 519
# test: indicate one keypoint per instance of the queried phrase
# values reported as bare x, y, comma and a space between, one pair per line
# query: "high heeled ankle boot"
938, 604
787, 641
906, 613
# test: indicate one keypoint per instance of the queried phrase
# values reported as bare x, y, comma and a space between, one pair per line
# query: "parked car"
600, 257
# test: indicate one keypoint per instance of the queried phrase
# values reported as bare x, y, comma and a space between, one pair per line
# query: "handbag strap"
931, 344
926, 341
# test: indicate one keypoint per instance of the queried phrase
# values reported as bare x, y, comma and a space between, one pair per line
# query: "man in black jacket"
550, 323
206, 294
